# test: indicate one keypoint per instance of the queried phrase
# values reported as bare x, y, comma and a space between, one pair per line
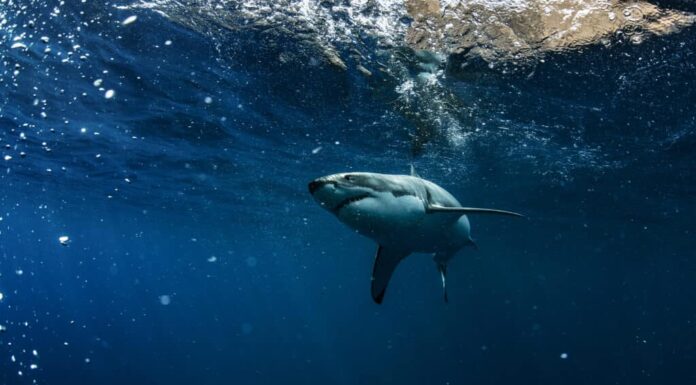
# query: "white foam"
339, 22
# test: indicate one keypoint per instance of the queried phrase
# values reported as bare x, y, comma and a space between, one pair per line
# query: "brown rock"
523, 29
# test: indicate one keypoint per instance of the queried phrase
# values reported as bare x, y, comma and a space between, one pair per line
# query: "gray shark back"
400, 185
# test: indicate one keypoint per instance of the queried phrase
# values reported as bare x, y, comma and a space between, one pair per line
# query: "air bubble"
129, 20
251, 261
165, 299
64, 240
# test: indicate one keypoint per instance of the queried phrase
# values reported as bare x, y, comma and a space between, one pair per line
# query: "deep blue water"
196, 255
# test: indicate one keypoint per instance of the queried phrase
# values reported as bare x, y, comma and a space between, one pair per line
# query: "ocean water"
156, 228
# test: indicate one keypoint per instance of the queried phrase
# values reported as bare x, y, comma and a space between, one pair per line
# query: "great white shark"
404, 214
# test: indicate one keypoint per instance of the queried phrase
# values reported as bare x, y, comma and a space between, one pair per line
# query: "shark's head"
338, 191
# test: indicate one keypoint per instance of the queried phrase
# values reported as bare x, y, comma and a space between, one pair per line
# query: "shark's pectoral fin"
469, 210
386, 261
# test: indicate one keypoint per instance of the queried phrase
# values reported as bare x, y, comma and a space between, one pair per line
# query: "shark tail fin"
442, 268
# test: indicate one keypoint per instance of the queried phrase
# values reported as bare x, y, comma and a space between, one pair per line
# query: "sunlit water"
155, 225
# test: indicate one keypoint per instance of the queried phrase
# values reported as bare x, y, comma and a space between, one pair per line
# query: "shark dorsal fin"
413, 171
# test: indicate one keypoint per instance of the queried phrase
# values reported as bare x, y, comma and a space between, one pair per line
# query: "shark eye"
348, 177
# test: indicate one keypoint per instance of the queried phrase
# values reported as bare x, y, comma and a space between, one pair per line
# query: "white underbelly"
402, 222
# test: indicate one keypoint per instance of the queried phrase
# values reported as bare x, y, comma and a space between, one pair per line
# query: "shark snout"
315, 185
319, 183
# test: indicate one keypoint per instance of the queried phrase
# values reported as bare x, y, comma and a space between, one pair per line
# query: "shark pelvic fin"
469, 210
386, 261
442, 268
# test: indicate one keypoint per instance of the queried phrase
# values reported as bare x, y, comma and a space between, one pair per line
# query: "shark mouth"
349, 201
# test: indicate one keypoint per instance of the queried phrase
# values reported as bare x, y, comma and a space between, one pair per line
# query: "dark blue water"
196, 255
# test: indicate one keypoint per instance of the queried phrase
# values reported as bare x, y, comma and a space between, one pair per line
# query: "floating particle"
97, 83
19, 272
129, 20
564, 356
109, 94
19, 44
44, 39
1, 296
168, 42
35, 353
316, 150
33, 366
165, 299
212, 259
64, 240
251, 261
8, 157
3, 328
87, 360
208, 100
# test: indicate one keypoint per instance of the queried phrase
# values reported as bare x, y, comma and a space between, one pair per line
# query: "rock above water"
511, 30
496, 31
